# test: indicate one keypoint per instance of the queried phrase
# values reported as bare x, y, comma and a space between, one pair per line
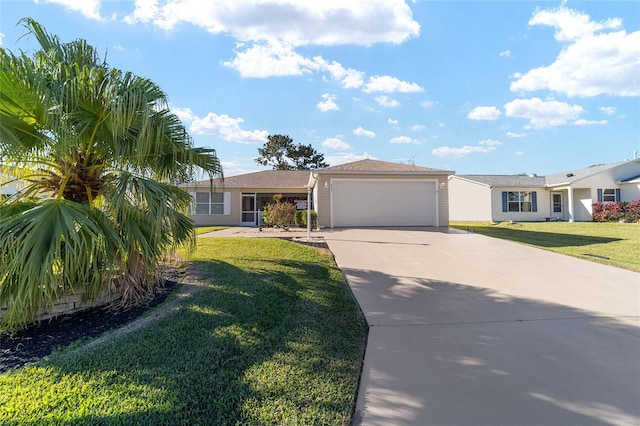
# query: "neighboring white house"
562, 196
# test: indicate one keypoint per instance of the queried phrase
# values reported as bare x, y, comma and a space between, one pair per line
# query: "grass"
204, 229
275, 337
615, 244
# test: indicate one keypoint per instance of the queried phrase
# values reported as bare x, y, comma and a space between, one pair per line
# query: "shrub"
301, 218
622, 210
266, 215
283, 214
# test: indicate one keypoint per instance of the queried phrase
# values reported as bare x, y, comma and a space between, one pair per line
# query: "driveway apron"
471, 330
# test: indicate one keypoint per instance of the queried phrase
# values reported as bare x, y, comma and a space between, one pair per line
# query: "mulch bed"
39, 340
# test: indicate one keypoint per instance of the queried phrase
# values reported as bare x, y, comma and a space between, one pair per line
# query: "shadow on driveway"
446, 353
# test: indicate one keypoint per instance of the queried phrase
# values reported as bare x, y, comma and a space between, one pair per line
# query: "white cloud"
335, 160
571, 24
490, 143
583, 122
328, 104
360, 131
1, 37
388, 84
232, 168
505, 53
392, 121
489, 113
591, 63
184, 114
427, 104
336, 144
270, 59
348, 78
228, 128
386, 101
417, 127
515, 135
447, 151
404, 140
519, 153
543, 114
270, 31
277, 59
89, 8
608, 110
326, 23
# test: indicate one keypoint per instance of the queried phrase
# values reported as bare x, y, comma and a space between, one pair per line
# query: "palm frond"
106, 149
53, 248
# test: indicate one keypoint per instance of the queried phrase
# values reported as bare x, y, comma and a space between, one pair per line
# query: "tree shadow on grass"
544, 239
255, 347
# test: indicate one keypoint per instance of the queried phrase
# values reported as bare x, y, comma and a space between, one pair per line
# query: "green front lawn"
275, 337
616, 244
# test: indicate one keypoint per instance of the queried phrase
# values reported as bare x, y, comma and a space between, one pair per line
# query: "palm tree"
102, 156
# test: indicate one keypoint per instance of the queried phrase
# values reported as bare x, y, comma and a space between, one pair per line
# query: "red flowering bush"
622, 210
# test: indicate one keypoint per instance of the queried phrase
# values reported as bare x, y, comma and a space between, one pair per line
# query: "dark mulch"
39, 340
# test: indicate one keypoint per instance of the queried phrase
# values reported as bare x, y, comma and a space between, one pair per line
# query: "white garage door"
407, 202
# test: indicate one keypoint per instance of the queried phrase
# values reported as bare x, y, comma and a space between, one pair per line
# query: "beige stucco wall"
323, 201
322, 192
469, 200
234, 218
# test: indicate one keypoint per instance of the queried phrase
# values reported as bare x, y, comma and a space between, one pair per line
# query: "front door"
557, 205
249, 210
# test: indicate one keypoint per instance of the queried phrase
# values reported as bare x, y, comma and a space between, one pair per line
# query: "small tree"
280, 153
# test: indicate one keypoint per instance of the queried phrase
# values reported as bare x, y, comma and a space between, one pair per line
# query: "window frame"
519, 201
217, 203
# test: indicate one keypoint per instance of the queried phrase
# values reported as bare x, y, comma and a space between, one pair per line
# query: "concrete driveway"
470, 330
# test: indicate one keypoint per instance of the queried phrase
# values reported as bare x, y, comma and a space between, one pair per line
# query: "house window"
211, 203
519, 201
608, 195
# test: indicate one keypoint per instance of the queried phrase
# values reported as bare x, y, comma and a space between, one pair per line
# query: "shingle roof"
574, 175
376, 166
266, 179
508, 180
542, 181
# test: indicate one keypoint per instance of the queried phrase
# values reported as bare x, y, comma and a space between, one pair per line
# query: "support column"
570, 202
308, 213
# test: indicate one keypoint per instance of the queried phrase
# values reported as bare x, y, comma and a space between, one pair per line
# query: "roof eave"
378, 172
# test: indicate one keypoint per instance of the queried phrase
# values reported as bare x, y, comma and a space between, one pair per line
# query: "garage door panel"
383, 203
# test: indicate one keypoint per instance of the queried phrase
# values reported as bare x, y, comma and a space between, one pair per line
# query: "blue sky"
490, 87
